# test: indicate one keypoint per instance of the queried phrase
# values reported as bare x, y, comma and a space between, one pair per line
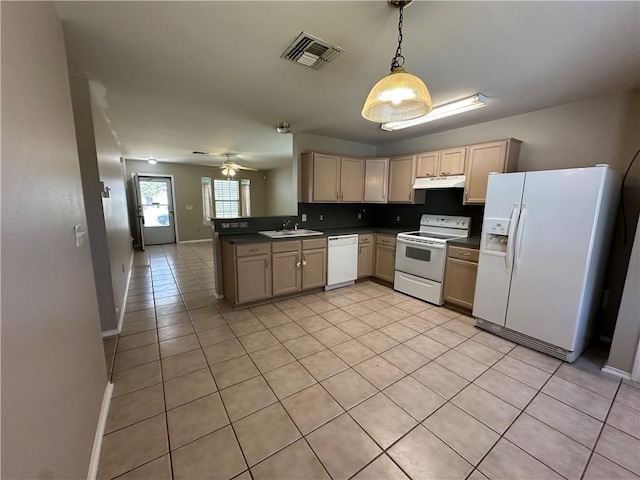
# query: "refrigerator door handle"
515, 213
518, 242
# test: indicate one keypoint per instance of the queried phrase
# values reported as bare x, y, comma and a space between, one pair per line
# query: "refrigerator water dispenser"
496, 236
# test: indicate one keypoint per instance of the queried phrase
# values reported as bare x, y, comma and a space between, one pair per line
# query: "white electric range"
421, 256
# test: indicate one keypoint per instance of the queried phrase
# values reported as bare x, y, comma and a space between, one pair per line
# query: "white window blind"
226, 195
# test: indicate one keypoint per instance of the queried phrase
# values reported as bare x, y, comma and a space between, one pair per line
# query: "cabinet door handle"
253, 249
337, 196
410, 195
341, 196
266, 263
466, 254
359, 250
298, 261
466, 195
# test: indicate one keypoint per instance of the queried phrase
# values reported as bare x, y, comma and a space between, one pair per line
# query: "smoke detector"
310, 51
283, 127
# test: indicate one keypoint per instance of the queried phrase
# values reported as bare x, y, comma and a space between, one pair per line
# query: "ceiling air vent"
311, 51
196, 152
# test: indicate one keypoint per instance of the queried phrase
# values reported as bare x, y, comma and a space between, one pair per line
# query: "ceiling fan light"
231, 172
398, 96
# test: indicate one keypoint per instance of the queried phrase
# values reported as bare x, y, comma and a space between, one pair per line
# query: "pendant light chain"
395, 62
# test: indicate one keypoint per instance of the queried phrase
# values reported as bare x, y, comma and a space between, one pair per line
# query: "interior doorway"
155, 209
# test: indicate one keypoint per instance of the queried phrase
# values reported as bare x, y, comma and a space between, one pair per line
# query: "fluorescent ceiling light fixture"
448, 109
152, 161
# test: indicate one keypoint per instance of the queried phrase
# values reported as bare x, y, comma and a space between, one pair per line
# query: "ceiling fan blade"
240, 167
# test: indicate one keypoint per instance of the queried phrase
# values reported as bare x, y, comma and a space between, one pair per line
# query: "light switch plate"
79, 232
303, 217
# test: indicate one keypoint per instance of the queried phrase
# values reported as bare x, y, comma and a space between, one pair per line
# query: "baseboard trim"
616, 372
126, 294
102, 423
195, 241
110, 333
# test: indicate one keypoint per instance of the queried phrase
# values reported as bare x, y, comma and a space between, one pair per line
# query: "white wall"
279, 191
53, 369
115, 210
303, 142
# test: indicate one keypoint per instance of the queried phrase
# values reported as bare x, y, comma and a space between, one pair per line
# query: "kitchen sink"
301, 232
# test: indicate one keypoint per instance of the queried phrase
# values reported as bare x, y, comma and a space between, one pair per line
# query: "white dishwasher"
342, 261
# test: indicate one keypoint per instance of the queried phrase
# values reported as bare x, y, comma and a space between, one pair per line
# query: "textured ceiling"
173, 77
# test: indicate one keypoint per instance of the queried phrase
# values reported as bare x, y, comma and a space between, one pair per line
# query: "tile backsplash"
332, 215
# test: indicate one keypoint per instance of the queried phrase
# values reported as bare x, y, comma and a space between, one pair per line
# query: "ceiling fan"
230, 168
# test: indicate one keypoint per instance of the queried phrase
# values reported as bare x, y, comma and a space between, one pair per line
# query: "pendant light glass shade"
398, 96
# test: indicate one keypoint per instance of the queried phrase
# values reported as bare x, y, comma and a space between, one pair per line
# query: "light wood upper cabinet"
376, 179
331, 178
442, 163
500, 157
324, 177
452, 161
351, 179
402, 176
428, 164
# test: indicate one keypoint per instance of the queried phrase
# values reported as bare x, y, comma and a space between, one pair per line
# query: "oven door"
421, 260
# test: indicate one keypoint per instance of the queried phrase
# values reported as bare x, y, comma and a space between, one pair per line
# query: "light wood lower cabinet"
314, 268
287, 276
365, 255
385, 258
253, 277
460, 277
261, 271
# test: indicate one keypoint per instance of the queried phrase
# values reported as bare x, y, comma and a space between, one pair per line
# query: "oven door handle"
420, 244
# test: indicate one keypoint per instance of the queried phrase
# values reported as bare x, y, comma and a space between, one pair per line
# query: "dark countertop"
471, 242
237, 238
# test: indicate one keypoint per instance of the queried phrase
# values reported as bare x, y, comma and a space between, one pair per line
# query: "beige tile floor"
360, 382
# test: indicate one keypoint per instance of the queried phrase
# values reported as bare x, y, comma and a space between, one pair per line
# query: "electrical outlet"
321, 217
359, 216
398, 218
303, 217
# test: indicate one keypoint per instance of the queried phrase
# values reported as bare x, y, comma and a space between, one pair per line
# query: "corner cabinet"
331, 178
402, 176
385, 258
460, 275
376, 180
486, 158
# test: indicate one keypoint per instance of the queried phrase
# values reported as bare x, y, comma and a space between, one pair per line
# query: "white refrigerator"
543, 254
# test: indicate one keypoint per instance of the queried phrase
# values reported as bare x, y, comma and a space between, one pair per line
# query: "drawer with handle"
253, 249
385, 240
468, 254
366, 238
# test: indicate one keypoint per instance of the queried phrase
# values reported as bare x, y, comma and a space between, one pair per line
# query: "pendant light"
398, 96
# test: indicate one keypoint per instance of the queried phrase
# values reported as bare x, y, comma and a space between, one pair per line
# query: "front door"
156, 209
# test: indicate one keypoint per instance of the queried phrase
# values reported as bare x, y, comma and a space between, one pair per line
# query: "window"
207, 200
226, 195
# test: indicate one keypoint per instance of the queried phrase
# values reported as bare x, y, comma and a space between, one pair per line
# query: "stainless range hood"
453, 181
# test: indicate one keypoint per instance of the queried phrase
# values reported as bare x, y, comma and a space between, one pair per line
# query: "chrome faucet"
295, 226
285, 224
